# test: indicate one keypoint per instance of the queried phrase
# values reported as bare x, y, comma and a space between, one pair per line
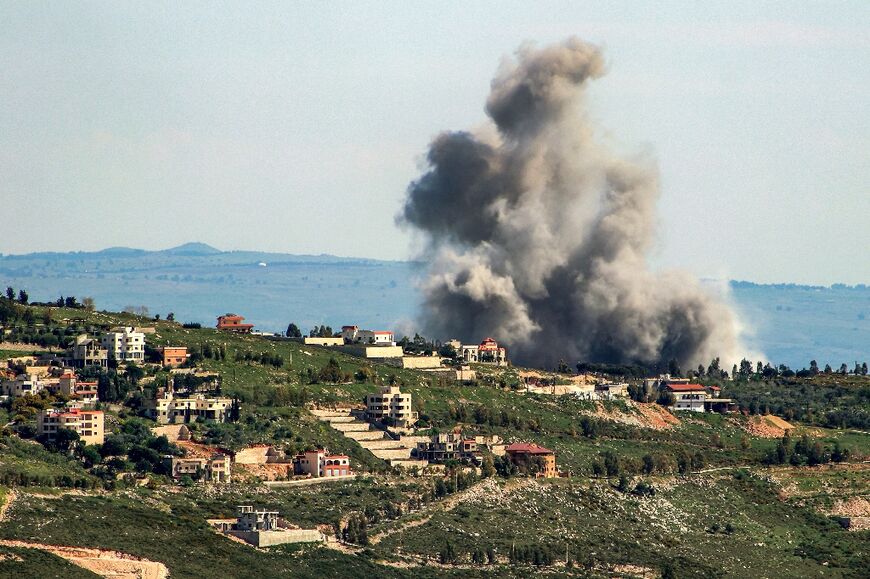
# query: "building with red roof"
234, 323
530, 456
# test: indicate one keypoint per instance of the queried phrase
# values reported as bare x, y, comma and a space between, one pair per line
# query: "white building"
354, 335
319, 463
88, 424
167, 409
688, 396
125, 344
22, 384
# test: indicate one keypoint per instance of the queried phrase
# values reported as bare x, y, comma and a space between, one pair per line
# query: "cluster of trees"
22, 295
804, 452
133, 448
482, 414
293, 331
264, 358
66, 471
356, 530
536, 554
455, 480
316, 332
112, 385
746, 371
681, 461
450, 555
331, 373
420, 345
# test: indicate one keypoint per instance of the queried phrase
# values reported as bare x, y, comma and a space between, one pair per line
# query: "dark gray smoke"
538, 236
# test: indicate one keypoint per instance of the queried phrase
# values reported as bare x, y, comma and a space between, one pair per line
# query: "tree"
844, 369
864, 369
22, 297
759, 368
713, 369
71, 302
611, 463
648, 464
814, 367
10, 293
487, 468
293, 331
674, 368
65, 439
88, 303
170, 317
828, 369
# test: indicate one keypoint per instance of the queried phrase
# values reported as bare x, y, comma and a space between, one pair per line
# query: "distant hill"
792, 324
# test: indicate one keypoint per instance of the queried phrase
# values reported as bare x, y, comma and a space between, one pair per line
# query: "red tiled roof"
527, 448
382, 333
685, 387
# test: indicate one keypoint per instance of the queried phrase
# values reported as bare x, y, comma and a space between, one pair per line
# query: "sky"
297, 127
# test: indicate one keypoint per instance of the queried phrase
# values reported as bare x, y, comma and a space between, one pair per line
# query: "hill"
694, 495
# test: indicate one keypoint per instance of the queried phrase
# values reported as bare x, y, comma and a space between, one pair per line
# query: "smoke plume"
537, 235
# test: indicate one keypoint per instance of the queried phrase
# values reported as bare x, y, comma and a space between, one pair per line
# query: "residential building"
234, 323
327, 341
167, 409
265, 528
687, 396
125, 344
531, 456
354, 335
609, 391
391, 406
251, 520
487, 352
87, 351
448, 446
85, 392
215, 469
173, 356
88, 424
22, 384
319, 463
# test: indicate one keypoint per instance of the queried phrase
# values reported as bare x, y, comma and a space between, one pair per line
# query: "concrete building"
328, 341
319, 463
215, 468
234, 323
611, 391
448, 446
354, 335
124, 344
21, 385
390, 406
88, 424
173, 356
265, 528
687, 396
167, 409
529, 456
487, 352
84, 392
87, 351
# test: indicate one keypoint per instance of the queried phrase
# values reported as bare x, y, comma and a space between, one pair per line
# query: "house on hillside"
86, 351
687, 396
215, 468
448, 446
531, 457
234, 323
88, 424
173, 356
124, 344
487, 352
320, 463
354, 335
165, 408
390, 406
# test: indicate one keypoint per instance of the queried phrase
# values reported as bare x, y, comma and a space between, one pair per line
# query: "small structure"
530, 456
390, 406
265, 528
173, 356
234, 323
319, 463
215, 468
325, 341
611, 391
88, 424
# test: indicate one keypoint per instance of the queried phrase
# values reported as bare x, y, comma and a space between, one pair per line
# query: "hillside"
790, 324
693, 495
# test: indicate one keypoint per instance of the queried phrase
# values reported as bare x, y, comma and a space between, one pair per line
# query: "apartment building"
124, 345
87, 351
319, 463
168, 409
88, 424
390, 406
448, 446
531, 456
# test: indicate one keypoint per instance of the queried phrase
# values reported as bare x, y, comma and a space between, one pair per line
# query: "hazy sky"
297, 128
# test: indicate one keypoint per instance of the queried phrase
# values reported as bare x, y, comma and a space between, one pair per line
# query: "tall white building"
125, 344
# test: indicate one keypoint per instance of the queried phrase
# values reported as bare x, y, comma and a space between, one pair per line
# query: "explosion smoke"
538, 236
